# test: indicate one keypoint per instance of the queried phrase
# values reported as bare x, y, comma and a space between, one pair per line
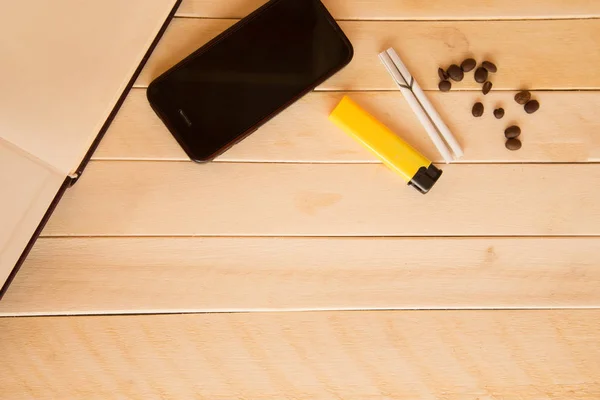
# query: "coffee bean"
532, 106
456, 73
513, 144
481, 75
512, 132
468, 65
523, 97
445, 86
491, 67
442, 74
487, 87
477, 110
499, 113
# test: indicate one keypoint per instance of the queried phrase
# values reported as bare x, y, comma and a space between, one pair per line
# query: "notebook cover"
67, 67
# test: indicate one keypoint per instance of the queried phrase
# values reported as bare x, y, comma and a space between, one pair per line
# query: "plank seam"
297, 311
373, 162
349, 237
424, 20
460, 90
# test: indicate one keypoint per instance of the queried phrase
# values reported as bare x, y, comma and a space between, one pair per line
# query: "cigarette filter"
395, 153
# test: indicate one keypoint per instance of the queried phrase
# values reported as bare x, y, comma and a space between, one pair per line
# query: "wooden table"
297, 267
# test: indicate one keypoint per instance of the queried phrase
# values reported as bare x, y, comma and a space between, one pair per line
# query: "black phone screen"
245, 76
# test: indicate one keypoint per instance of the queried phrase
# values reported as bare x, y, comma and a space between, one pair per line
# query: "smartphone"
248, 74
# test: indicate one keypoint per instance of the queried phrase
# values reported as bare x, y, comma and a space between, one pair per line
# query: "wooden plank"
564, 130
147, 275
410, 9
181, 198
564, 56
328, 355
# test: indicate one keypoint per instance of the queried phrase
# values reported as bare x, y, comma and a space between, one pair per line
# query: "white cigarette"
410, 97
431, 111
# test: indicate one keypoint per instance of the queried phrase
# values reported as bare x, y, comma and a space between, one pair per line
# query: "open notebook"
66, 67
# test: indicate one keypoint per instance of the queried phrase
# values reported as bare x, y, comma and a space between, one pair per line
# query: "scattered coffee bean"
487, 87
445, 86
468, 65
512, 132
477, 110
443, 74
499, 113
491, 67
456, 73
481, 75
532, 106
523, 97
513, 144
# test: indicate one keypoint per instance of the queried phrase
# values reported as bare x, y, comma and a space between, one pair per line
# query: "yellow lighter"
398, 155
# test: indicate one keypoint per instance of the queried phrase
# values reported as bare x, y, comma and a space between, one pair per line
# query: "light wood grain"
533, 54
181, 198
345, 355
410, 9
564, 130
322, 354
147, 275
